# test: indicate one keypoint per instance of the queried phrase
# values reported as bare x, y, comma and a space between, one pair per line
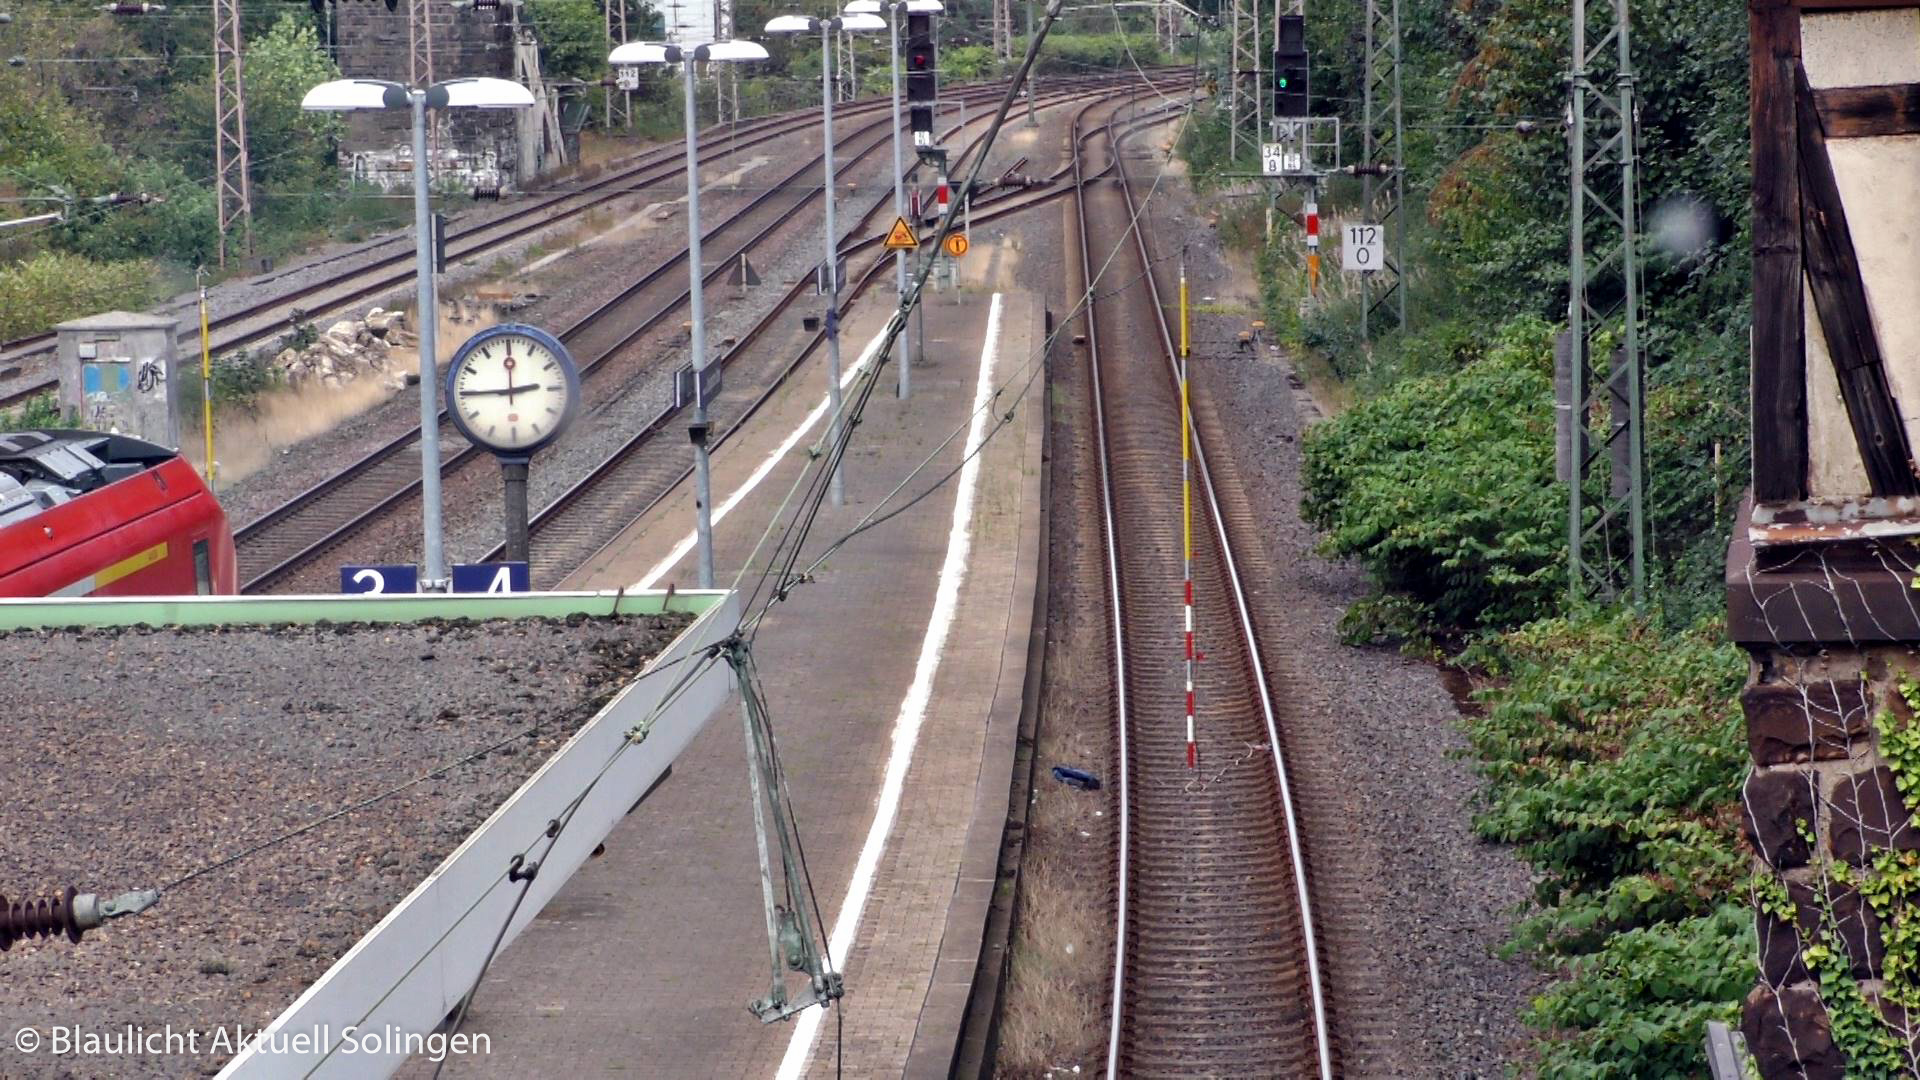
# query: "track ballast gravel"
1441, 901
135, 756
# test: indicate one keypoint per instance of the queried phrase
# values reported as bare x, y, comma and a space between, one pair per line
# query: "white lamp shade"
735, 50
347, 95
861, 22
639, 52
863, 7
791, 24
925, 7
481, 93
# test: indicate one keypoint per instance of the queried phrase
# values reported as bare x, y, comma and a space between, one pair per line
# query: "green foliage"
1873, 1051
52, 287
47, 145
970, 63
573, 43
1638, 1005
37, 412
1613, 755
1079, 54
1443, 486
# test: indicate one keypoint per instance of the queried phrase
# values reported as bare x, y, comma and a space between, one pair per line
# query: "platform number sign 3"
1364, 247
1281, 159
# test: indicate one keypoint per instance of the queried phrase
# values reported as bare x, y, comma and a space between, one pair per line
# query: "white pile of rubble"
350, 349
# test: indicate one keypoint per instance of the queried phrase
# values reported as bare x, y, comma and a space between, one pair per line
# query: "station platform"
894, 681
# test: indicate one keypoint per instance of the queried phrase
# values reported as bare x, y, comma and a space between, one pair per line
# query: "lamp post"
641, 52
895, 9
349, 95
799, 24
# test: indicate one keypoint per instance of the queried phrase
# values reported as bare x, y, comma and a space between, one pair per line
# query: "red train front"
87, 514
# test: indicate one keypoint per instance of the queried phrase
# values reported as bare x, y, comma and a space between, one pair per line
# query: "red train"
87, 514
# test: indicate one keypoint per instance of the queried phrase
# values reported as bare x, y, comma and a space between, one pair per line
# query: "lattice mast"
847, 76
1604, 279
726, 81
1003, 29
419, 43
232, 189
1383, 181
1243, 88
616, 109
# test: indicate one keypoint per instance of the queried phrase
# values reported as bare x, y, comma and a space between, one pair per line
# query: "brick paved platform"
644, 964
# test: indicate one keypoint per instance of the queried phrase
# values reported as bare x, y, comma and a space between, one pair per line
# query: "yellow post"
206, 384
1186, 433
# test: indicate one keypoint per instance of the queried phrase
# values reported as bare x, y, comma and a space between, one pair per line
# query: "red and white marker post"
1312, 210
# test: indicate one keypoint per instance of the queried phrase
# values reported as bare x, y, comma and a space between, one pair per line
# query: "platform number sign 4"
1281, 159
1364, 247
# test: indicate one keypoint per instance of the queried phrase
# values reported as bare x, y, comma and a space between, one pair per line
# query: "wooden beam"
1779, 321
1852, 112
1840, 300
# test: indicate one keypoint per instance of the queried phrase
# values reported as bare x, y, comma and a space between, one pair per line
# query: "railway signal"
922, 83
895, 10
1290, 76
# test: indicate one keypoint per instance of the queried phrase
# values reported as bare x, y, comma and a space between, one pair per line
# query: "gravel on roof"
134, 756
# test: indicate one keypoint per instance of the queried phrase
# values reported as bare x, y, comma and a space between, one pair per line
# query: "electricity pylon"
1604, 286
233, 190
1384, 182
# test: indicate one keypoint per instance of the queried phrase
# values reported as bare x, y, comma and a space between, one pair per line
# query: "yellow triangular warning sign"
900, 237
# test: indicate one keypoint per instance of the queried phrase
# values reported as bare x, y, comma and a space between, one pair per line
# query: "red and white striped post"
1313, 240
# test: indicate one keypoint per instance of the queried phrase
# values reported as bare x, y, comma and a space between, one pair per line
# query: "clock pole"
514, 470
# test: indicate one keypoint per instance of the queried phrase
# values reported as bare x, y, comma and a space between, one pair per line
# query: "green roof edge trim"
48, 613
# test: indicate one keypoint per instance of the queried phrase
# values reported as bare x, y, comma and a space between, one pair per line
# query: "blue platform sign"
379, 579
491, 577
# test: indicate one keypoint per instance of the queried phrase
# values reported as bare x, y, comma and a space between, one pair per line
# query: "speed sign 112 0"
1364, 247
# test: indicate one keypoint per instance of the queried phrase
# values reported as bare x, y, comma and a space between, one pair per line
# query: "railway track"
275, 549
1217, 968
386, 266
644, 471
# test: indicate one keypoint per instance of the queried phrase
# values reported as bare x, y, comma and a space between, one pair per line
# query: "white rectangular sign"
1281, 159
1363, 247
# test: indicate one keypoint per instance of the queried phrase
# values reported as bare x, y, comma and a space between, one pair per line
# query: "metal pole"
1576, 304
435, 553
894, 12
836, 488
1030, 93
1630, 267
514, 473
702, 477
206, 383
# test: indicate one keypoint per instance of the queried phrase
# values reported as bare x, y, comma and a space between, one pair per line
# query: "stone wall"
476, 148
1822, 804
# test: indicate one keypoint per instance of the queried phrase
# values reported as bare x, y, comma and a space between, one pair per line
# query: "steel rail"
527, 217
338, 533
1110, 541
1244, 619
990, 210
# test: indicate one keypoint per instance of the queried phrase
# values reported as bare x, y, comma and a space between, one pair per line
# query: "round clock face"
511, 389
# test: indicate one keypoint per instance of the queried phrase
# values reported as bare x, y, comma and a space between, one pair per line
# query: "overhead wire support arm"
796, 939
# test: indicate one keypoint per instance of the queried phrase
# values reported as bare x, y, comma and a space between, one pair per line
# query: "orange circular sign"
957, 244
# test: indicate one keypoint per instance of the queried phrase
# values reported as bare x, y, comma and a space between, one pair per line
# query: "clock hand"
502, 390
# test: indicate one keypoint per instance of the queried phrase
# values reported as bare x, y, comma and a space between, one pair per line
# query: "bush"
52, 287
1443, 487
1613, 755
